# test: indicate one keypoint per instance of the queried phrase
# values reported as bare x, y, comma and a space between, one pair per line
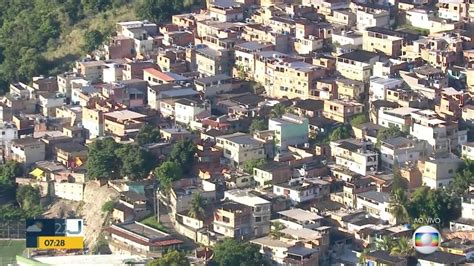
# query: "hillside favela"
237, 132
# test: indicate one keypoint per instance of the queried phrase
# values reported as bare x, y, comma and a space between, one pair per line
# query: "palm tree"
276, 230
398, 206
278, 110
198, 207
385, 243
402, 247
363, 256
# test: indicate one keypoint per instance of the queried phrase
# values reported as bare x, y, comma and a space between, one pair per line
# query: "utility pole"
157, 204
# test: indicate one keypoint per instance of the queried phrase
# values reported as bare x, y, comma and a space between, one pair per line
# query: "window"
258, 219
225, 219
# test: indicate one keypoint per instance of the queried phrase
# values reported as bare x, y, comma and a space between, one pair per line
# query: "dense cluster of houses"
206, 76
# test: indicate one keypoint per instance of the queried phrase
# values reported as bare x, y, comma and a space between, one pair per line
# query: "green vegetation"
102, 162
464, 177
276, 228
231, 252
159, 10
250, 165
425, 203
257, 125
148, 134
8, 172
28, 198
241, 74
358, 119
108, 206
363, 256
183, 153
110, 160
92, 40
398, 206
387, 133
45, 37
9, 249
342, 132
171, 258
151, 221
401, 247
278, 110
42, 37
198, 207
166, 173
136, 163
413, 29
398, 181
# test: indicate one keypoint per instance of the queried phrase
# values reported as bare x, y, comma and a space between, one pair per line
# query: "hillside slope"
44, 37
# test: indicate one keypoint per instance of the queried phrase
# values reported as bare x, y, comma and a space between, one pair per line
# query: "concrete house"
240, 147
341, 111
187, 111
289, 130
355, 156
439, 172
28, 151
301, 191
356, 65
272, 173
233, 220
261, 209
377, 204
401, 150
122, 123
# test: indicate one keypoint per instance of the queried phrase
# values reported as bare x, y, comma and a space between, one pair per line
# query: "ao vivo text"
428, 220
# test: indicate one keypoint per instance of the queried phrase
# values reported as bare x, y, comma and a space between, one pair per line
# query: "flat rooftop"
143, 230
300, 215
125, 115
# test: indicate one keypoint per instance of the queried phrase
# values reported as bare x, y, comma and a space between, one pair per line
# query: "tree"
363, 256
148, 134
28, 197
464, 177
251, 164
398, 181
257, 125
8, 172
158, 10
341, 132
108, 206
402, 247
102, 160
166, 173
398, 206
434, 203
170, 258
198, 207
240, 72
231, 252
278, 110
92, 40
387, 133
136, 163
385, 243
276, 228
183, 153
358, 119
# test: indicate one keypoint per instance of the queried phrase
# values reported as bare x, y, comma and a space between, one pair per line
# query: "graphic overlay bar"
60, 242
55, 233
